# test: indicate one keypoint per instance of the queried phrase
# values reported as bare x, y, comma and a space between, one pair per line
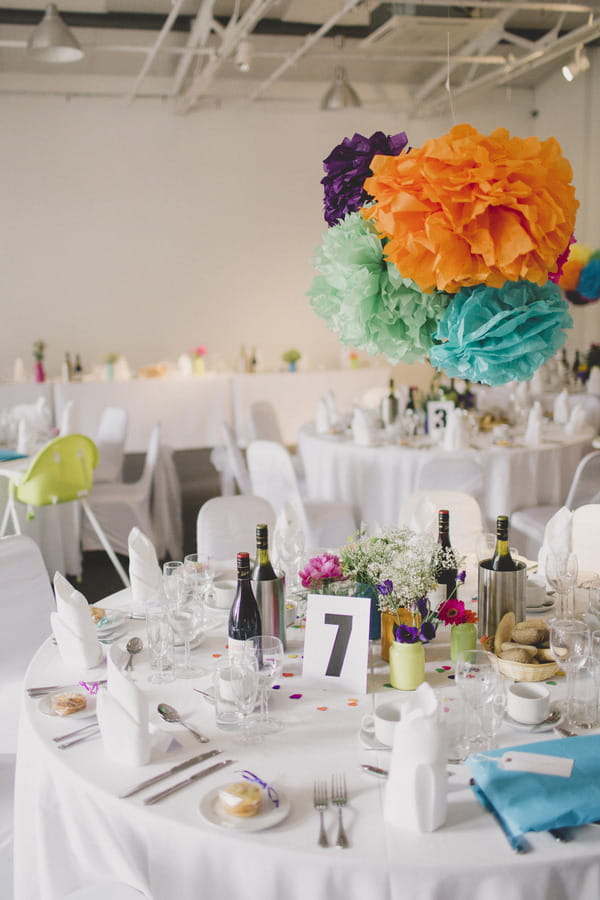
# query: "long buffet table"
72, 829
191, 410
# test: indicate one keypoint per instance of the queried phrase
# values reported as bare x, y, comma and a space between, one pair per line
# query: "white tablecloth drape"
377, 480
71, 828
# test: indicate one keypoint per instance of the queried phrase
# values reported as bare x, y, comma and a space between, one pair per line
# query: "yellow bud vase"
199, 365
407, 665
462, 637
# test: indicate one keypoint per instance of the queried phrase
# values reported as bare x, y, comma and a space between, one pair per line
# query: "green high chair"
61, 472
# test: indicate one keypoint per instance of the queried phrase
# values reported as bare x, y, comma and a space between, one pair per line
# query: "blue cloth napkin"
6, 455
526, 801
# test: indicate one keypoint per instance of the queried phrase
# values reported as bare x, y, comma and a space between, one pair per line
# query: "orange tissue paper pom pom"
465, 209
570, 274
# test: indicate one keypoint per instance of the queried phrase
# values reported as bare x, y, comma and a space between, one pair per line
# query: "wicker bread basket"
524, 671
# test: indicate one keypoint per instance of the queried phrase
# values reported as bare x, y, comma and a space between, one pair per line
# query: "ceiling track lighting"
52, 41
580, 63
243, 56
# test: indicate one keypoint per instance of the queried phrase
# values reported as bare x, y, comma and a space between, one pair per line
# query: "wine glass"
199, 567
561, 575
160, 644
244, 683
268, 652
172, 571
187, 620
570, 647
477, 683
289, 544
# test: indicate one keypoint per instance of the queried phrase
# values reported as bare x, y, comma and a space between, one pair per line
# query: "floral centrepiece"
461, 212
320, 569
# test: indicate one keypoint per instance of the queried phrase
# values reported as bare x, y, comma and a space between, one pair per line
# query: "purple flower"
386, 587
427, 632
348, 165
422, 607
406, 634
461, 576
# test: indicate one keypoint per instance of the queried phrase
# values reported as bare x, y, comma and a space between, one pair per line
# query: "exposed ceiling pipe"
204, 23
168, 24
515, 5
532, 60
309, 41
234, 33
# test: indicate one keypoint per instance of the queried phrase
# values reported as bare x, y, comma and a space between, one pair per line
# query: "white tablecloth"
71, 829
378, 479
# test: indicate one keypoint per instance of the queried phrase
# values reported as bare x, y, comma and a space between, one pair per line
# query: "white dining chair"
236, 461
66, 419
327, 523
527, 525
110, 441
226, 526
263, 422
463, 471
119, 507
585, 527
420, 513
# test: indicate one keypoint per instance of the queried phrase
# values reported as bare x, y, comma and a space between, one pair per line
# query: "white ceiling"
184, 49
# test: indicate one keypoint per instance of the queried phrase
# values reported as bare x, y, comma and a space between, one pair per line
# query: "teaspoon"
170, 714
134, 645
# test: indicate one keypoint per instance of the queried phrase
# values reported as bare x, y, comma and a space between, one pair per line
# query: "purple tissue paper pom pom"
348, 165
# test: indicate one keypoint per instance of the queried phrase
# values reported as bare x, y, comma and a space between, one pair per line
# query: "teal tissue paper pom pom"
495, 335
367, 300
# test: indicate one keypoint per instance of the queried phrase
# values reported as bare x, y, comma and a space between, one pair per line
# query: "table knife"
38, 691
177, 787
178, 768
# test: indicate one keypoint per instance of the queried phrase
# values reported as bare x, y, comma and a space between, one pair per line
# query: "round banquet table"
378, 479
71, 828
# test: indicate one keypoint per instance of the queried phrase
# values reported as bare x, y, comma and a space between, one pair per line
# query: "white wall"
135, 230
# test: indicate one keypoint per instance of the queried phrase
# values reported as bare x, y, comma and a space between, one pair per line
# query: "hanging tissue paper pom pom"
366, 299
495, 335
346, 168
465, 209
589, 281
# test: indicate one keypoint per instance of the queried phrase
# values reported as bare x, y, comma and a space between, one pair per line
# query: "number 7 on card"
336, 642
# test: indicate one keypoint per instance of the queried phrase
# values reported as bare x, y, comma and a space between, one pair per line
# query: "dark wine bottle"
244, 617
263, 570
389, 406
412, 400
447, 570
502, 561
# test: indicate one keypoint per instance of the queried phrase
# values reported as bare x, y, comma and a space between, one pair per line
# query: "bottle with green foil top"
502, 561
269, 590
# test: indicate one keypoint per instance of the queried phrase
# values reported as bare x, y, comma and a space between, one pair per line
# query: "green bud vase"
407, 665
462, 637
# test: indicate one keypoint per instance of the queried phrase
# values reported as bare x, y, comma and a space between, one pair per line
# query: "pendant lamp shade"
341, 94
51, 40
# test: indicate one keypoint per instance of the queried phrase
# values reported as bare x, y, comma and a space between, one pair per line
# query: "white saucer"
111, 636
369, 740
45, 704
533, 729
542, 607
111, 621
268, 816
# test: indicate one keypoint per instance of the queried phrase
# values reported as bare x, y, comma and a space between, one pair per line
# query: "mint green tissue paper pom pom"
495, 335
367, 300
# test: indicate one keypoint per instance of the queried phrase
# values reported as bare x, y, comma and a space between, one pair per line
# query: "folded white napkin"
457, 431
592, 385
185, 365
19, 374
417, 785
522, 393
144, 570
533, 432
537, 385
363, 429
322, 418
332, 410
562, 408
74, 628
578, 421
557, 537
122, 711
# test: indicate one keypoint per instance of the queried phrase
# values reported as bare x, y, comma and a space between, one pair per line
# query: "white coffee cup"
223, 593
528, 702
382, 723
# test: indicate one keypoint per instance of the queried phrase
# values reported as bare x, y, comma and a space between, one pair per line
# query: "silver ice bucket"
499, 593
270, 596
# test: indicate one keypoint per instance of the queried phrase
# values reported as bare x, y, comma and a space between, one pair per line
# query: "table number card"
336, 642
438, 414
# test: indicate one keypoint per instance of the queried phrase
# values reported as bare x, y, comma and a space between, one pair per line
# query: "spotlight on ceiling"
580, 63
51, 40
341, 94
243, 56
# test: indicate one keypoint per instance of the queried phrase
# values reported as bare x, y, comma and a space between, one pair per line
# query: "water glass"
570, 641
268, 652
199, 568
187, 620
172, 572
561, 575
160, 645
478, 683
227, 712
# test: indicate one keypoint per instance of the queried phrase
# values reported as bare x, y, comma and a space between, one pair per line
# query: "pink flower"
200, 350
319, 568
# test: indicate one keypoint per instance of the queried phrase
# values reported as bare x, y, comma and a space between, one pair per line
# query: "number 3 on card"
336, 643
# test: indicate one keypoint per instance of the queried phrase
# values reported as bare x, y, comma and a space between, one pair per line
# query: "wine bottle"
244, 617
263, 570
447, 570
412, 403
389, 406
502, 561
78, 368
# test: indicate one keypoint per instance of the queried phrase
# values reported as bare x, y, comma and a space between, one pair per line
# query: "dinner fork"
320, 803
339, 798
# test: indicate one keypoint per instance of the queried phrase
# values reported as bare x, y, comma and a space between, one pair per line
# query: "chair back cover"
585, 526
463, 472
420, 512
227, 525
263, 423
272, 473
63, 470
585, 487
110, 440
237, 463
66, 419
